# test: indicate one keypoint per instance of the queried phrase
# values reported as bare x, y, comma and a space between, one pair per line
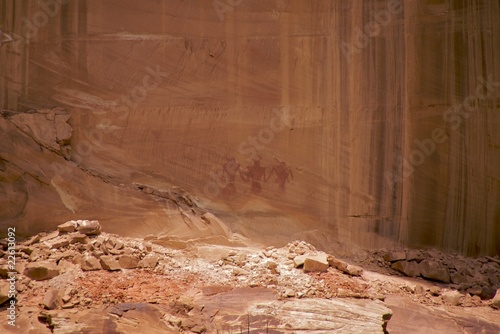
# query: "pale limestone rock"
89, 263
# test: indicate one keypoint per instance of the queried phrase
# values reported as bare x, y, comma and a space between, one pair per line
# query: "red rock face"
372, 122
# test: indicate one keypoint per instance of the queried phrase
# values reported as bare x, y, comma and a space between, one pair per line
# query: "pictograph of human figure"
256, 174
282, 173
229, 170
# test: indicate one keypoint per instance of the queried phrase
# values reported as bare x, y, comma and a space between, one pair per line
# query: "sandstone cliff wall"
374, 122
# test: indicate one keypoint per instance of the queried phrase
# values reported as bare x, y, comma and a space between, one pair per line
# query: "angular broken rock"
109, 262
128, 261
89, 263
69, 226
318, 262
393, 256
52, 299
40, 271
434, 270
409, 268
89, 227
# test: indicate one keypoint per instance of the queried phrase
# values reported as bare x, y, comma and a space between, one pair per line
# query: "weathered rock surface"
325, 316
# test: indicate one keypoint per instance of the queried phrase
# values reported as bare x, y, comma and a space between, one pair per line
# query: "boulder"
393, 256
89, 227
128, 261
434, 270
409, 268
495, 302
52, 299
317, 262
69, 226
109, 262
40, 271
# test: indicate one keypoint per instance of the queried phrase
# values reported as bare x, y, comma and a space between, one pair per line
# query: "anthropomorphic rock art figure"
256, 173
230, 169
282, 175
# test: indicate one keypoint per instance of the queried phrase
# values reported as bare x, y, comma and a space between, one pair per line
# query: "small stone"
435, 291
40, 271
409, 268
289, 293
69, 226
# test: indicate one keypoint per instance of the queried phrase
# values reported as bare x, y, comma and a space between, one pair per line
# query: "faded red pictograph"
256, 175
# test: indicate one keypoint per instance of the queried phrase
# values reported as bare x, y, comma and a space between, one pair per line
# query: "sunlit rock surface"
285, 118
